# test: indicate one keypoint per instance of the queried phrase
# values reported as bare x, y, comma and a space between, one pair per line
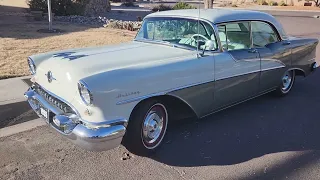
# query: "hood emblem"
49, 76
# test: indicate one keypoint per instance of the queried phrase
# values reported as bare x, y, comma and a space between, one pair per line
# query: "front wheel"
147, 128
286, 84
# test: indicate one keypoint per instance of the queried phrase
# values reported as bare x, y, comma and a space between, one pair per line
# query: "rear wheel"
286, 84
147, 128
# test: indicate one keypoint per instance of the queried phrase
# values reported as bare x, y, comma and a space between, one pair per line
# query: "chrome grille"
52, 99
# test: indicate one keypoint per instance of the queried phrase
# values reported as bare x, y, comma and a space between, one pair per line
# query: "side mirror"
200, 43
209, 44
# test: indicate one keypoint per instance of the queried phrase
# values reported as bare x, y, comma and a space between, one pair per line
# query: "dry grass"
18, 41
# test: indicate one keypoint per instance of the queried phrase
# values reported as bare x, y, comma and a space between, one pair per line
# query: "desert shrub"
273, 3
183, 5
234, 5
59, 7
262, 2
282, 3
161, 7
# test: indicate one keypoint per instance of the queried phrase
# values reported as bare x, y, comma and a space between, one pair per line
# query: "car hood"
69, 66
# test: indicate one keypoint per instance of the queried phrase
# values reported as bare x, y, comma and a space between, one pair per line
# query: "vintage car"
182, 63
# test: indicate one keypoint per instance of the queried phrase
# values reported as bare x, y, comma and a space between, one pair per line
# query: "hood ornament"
49, 76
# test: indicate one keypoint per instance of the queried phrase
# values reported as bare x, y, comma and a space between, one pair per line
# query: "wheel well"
177, 108
299, 72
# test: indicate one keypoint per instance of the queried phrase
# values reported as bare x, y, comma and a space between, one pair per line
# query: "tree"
317, 2
208, 4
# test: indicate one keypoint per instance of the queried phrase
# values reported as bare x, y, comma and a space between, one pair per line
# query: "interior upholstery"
235, 41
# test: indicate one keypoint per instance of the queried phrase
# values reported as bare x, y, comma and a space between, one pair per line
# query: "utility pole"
49, 15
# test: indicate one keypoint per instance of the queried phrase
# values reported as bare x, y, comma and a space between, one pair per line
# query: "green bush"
183, 5
37, 5
161, 7
59, 7
282, 3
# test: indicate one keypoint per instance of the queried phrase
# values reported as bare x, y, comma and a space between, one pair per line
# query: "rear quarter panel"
303, 53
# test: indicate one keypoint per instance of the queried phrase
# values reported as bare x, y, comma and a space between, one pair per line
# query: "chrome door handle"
286, 43
252, 51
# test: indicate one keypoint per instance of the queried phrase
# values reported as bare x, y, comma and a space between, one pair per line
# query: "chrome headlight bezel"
85, 93
32, 66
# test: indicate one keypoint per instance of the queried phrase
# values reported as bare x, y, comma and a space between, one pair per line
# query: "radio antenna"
198, 55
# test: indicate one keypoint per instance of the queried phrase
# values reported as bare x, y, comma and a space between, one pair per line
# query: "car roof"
216, 15
221, 15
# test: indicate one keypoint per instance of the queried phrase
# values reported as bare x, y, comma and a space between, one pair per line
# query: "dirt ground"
19, 38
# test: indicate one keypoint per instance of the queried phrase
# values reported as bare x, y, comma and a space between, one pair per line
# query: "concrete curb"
12, 89
11, 130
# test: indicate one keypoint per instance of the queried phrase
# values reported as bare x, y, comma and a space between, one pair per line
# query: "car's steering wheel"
199, 35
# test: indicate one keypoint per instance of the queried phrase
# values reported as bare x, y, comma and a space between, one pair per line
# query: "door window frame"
216, 28
273, 29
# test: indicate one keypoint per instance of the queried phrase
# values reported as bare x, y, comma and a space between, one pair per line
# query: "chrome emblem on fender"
50, 77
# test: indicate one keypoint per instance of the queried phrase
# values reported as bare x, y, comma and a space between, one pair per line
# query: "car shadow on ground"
16, 113
258, 127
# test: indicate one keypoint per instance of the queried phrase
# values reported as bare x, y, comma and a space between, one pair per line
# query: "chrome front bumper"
93, 136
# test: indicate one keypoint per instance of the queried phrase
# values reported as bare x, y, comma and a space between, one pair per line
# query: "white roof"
219, 15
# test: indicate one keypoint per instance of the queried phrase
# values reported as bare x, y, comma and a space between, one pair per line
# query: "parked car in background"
181, 63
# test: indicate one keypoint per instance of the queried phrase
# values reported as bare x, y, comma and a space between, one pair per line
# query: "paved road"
265, 138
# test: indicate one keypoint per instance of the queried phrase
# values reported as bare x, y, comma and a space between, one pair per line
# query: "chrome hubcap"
286, 81
153, 126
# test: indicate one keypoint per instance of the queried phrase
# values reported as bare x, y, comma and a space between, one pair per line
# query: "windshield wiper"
153, 41
164, 42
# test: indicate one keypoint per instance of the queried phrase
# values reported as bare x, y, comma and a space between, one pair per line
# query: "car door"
275, 54
237, 69
198, 93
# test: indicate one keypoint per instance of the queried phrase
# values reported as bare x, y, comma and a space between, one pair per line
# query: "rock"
101, 21
126, 156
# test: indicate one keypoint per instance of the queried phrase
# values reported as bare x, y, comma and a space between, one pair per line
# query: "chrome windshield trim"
216, 31
219, 49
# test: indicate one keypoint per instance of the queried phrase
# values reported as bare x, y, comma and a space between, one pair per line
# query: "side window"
262, 34
235, 36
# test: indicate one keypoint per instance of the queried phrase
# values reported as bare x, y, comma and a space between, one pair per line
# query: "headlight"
32, 66
85, 93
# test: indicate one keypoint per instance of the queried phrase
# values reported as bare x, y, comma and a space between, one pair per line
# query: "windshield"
179, 31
